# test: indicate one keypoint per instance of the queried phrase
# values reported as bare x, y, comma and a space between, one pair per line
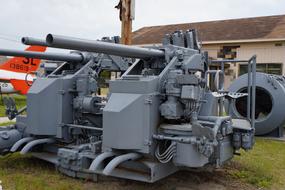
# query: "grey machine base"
277, 132
140, 170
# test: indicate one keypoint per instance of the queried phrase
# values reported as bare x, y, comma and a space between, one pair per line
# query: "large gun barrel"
33, 41
39, 55
58, 41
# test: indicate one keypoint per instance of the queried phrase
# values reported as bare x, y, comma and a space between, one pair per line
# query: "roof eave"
229, 41
244, 41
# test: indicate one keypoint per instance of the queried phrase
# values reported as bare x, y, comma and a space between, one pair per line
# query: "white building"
233, 39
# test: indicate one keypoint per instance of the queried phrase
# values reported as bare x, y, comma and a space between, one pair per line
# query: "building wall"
267, 52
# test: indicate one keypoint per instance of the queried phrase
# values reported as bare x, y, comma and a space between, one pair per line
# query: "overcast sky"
93, 19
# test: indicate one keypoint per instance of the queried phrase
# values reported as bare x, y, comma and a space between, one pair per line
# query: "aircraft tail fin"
20, 86
22, 64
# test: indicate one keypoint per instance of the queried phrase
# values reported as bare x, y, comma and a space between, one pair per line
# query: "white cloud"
93, 19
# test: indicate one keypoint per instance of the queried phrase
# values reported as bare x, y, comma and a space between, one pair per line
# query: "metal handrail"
251, 84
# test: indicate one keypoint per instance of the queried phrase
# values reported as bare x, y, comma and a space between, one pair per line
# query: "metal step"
49, 157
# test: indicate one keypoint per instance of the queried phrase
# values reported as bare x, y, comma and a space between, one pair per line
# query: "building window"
278, 44
228, 52
270, 68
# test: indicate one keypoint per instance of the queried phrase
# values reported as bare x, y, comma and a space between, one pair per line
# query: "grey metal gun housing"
159, 116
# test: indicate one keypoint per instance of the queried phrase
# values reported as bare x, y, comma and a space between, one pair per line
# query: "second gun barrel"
39, 55
64, 42
33, 41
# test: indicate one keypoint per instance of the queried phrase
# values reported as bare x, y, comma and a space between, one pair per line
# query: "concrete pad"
5, 119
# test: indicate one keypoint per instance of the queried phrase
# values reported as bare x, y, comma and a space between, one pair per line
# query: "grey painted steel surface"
33, 41
64, 42
269, 101
217, 123
34, 143
159, 116
118, 160
19, 143
53, 105
8, 138
99, 159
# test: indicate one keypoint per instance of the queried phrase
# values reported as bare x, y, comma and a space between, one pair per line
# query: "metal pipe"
248, 91
229, 61
118, 160
39, 55
33, 41
186, 140
253, 91
20, 143
30, 145
99, 159
84, 127
214, 118
64, 42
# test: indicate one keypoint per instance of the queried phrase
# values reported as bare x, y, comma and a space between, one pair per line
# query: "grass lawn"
7, 123
23, 172
263, 167
20, 102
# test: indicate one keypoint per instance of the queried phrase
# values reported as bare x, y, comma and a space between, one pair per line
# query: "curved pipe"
99, 159
20, 142
30, 145
219, 80
118, 160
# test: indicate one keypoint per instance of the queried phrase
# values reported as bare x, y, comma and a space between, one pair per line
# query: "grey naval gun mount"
159, 116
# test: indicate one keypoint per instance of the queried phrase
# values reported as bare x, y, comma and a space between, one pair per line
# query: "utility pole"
127, 15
